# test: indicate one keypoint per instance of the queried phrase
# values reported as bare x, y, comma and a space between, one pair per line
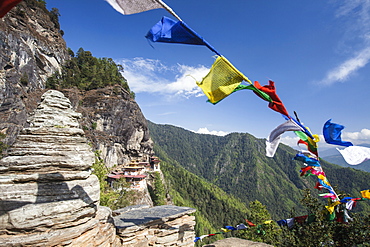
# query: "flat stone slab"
128, 208
232, 242
145, 216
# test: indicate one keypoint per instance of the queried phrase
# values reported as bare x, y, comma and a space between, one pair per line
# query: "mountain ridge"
237, 164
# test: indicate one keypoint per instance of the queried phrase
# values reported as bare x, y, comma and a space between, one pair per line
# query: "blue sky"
317, 52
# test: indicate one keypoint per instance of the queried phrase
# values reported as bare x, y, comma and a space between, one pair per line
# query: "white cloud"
357, 138
213, 132
166, 113
290, 141
347, 68
357, 27
152, 76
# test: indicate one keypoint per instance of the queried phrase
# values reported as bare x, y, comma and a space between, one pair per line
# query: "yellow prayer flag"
221, 80
331, 206
365, 194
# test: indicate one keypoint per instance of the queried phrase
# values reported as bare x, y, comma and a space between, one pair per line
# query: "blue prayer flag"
170, 31
332, 134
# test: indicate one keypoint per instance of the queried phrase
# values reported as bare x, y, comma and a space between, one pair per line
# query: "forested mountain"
214, 206
237, 164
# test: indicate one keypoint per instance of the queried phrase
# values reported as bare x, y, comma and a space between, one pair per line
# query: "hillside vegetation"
237, 164
87, 72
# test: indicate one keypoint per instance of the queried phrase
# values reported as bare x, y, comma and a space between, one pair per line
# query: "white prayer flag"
355, 155
128, 7
273, 140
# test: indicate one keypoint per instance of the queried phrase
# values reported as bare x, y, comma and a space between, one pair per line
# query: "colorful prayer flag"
249, 223
365, 194
331, 206
7, 5
221, 80
276, 104
332, 134
170, 31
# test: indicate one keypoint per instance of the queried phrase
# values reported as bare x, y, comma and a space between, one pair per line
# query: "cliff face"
31, 50
114, 123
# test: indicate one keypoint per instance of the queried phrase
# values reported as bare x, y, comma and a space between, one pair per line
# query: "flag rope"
166, 7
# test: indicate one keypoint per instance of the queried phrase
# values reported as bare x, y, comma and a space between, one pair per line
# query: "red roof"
115, 175
134, 176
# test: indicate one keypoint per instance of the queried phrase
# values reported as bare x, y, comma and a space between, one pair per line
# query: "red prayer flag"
276, 104
249, 223
318, 186
304, 170
6, 6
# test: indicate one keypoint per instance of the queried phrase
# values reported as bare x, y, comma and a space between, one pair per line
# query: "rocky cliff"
114, 123
32, 48
49, 197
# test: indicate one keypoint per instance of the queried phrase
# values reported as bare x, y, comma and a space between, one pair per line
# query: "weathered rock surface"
47, 192
157, 226
32, 49
114, 123
48, 196
233, 242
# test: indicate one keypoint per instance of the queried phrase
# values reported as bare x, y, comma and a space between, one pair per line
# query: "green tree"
87, 72
325, 232
265, 229
158, 193
54, 16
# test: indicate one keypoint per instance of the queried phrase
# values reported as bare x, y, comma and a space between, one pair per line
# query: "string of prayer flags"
170, 31
355, 155
222, 79
128, 7
311, 143
224, 230
298, 219
332, 134
328, 195
276, 104
313, 166
306, 129
310, 161
7, 5
273, 140
351, 201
